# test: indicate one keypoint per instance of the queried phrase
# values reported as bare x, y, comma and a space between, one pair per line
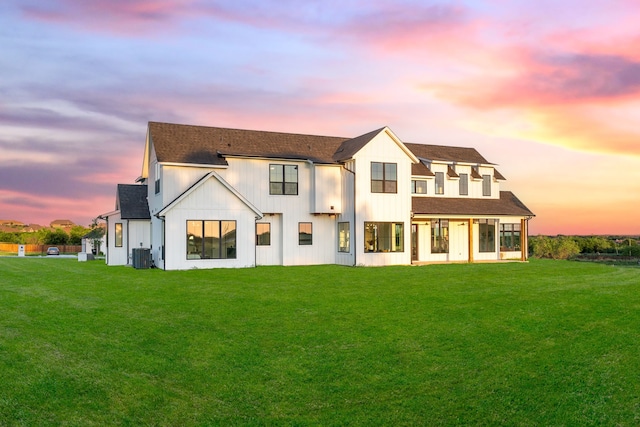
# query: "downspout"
128, 245
255, 242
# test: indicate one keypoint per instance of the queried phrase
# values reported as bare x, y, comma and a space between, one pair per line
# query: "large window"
509, 237
487, 235
418, 186
440, 236
464, 184
486, 185
439, 182
344, 237
283, 179
384, 177
118, 233
263, 234
211, 239
305, 233
384, 237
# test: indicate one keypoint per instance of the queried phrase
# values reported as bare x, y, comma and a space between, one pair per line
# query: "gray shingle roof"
132, 201
507, 204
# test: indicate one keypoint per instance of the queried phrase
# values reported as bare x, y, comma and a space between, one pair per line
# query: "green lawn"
543, 343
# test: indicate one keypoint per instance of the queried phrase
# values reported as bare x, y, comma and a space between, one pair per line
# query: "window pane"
421, 187
464, 184
228, 243
377, 171
439, 236
383, 237
304, 233
211, 239
263, 234
486, 185
343, 237
291, 188
390, 172
439, 182
276, 188
376, 186
390, 187
118, 232
275, 173
194, 239
291, 173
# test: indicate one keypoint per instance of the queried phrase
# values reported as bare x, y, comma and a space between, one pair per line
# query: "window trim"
302, 240
385, 181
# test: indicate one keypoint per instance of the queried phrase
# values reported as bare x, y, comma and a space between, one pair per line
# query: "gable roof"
507, 204
132, 201
200, 182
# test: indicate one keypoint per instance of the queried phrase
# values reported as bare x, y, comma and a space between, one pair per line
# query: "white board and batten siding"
382, 207
209, 201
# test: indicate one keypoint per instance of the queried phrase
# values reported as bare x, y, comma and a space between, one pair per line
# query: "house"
217, 197
129, 225
62, 223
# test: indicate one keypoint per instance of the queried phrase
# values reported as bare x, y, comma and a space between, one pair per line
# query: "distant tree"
560, 247
56, 237
96, 234
76, 233
6, 237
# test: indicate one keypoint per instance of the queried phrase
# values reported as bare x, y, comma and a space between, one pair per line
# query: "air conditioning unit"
141, 258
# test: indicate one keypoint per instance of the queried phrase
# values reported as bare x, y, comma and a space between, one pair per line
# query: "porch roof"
508, 204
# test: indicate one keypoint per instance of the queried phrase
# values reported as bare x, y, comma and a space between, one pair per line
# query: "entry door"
414, 242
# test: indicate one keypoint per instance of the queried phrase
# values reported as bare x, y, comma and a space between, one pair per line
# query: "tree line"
46, 236
565, 247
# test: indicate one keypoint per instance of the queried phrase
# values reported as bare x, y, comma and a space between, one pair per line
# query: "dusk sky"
548, 90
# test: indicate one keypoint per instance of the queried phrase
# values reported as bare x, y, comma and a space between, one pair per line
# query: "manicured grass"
544, 343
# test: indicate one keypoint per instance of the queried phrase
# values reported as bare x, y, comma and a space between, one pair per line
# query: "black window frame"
263, 238
487, 235
157, 178
386, 185
510, 237
440, 236
286, 187
392, 243
347, 231
201, 248
305, 238
414, 186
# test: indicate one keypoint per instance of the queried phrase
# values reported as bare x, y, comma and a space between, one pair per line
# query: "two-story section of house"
221, 197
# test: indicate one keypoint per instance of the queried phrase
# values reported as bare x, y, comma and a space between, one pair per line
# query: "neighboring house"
95, 240
62, 223
237, 198
129, 225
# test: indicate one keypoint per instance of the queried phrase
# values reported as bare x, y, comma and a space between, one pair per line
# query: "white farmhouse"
219, 197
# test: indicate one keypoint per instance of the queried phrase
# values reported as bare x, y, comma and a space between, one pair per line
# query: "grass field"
543, 343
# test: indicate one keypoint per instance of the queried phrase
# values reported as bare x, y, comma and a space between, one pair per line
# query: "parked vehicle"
53, 251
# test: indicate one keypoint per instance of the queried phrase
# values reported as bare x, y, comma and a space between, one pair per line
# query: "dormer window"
439, 182
486, 185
